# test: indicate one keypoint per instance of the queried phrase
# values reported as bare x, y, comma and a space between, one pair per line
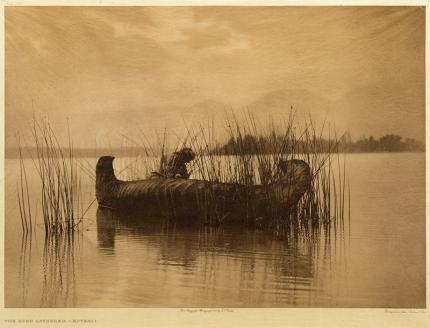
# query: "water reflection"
141, 261
124, 264
236, 266
138, 228
25, 265
59, 270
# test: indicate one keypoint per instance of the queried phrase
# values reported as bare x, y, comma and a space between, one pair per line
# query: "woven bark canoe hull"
180, 198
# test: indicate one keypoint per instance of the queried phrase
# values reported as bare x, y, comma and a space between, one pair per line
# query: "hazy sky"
121, 70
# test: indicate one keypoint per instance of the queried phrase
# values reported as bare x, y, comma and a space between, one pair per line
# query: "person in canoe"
176, 167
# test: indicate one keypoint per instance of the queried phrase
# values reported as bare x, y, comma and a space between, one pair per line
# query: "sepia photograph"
215, 157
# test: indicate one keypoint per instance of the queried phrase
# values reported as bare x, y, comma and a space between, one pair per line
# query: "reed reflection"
59, 264
24, 274
257, 263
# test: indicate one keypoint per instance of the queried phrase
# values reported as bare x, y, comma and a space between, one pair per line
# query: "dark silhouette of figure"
176, 167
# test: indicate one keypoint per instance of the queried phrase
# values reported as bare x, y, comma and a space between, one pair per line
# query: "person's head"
186, 154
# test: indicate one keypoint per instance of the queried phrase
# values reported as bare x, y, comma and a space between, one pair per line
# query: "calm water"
378, 262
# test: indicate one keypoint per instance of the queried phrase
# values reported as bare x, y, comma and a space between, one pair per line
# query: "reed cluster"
255, 152
59, 180
252, 156
147, 157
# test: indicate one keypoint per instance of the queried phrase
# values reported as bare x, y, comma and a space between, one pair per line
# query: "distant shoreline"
250, 144
13, 153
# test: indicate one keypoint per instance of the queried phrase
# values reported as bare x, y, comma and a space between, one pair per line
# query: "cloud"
178, 27
215, 38
166, 25
82, 60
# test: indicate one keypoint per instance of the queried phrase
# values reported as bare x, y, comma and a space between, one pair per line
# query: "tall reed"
60, 184
23, 195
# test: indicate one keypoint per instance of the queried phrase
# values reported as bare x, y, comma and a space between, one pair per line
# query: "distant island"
387, 143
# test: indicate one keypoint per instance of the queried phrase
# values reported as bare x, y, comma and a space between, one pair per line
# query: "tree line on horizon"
388, 143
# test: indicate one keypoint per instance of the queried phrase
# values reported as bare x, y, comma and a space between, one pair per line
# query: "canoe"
190, 198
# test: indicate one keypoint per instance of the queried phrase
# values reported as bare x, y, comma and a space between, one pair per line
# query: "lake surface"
379, 260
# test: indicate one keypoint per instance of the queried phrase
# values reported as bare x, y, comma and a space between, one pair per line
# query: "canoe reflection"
190, 247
